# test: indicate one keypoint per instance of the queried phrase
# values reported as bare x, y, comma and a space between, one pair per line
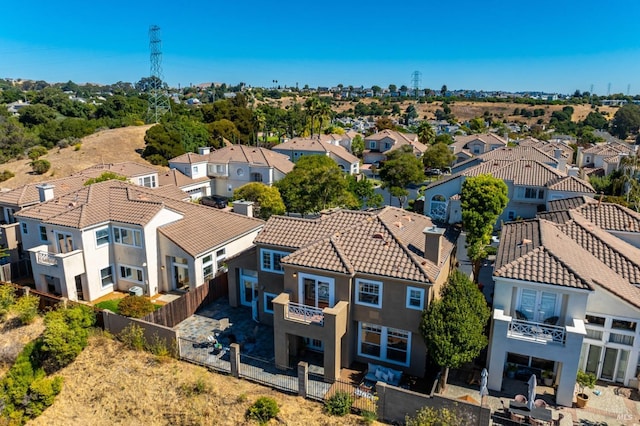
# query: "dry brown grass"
108, 146
13, 337
108, 385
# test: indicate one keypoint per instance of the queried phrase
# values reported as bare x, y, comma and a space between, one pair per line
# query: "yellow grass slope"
108, 385
107, 146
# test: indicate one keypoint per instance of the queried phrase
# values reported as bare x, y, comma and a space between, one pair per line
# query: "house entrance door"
249, 294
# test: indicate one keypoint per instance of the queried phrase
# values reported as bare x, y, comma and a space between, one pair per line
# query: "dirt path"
108, 146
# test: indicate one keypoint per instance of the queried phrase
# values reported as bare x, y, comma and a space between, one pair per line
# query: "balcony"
56, 264
304, 313
46, 258
536, 331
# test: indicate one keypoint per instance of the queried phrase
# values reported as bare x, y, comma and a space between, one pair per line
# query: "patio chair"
517, 418
556, 422
520, 398
540, 403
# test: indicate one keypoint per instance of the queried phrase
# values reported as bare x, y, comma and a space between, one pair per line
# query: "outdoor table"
537, 413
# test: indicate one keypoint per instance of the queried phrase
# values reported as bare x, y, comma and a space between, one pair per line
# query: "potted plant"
584, 380
511, 371
547, 377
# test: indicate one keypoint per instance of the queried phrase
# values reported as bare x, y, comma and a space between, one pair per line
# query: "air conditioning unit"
136, 291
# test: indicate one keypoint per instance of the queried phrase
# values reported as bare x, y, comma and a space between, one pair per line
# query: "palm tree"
324, 112
426, 134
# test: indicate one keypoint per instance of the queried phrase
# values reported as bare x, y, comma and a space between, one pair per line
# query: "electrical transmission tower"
158, 99
416, 79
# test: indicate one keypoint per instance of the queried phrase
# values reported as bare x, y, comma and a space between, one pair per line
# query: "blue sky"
554, 46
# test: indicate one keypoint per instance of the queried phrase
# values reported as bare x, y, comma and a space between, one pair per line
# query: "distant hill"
107, 146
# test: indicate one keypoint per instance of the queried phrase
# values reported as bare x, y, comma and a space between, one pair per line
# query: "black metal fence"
364, 399
265, 372
205, 354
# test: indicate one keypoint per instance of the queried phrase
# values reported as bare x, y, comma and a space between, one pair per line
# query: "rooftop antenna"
628, 89
591, 93
416, 79
609, 89
158, 100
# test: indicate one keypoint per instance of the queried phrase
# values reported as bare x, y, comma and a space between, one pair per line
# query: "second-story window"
148, 181
207, 267
127, 236
270, 260
415, 298
43, 233
102, 236
369, 293
25, 230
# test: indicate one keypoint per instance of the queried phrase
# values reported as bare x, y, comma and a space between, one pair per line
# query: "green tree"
483, 198
162, 144
596, 120
393, 88
315, 183
66, 335
268, 199
626, 121
357, 146
426, 133
364, 191
384, 123
32, 115
399, 170
376, 90
443, 90
453, 326
445, 138
477, 125
104, 177
410, 114
438, 156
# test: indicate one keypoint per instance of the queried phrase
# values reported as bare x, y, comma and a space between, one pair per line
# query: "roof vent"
378, 236
524, 242
528, 165
398, 224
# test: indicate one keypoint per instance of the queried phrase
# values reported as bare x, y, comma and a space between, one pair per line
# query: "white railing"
46, 258
537, 331
305, 313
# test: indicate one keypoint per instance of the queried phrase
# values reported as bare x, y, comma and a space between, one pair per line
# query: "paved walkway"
614, 405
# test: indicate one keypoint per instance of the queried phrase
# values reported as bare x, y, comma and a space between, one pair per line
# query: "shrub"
42, 393
37, 152
263, 410
242, 398
77, 147
7, 298
158, 346
132, 336
428, 416
135, 306
66, 335
6, 175
27, 308
40, 166
369, 416
198, 388
339, 404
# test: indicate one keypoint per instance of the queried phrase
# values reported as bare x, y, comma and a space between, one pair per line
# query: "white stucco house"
114, 235
531, 185
220, 172
566, 296
320, 145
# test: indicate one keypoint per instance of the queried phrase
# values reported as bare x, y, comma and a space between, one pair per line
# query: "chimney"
204, 150
557, 153
243, 207
433, 243
573, 171
562, 162
45, 191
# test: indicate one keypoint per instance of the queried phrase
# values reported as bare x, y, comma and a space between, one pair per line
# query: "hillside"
464, 110
108, 384
107, 146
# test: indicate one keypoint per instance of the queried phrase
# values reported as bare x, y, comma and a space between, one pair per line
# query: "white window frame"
221, 169
43, 233
384, 340
122, 273
195, 169
221, 256
409, 298
25, 229
101, 238
207, 262
266, 304
271, 254
319, 279
366, 282
151, 180
117, 236
102, 277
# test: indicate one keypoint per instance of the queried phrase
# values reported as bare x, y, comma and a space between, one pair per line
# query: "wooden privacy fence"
180, 309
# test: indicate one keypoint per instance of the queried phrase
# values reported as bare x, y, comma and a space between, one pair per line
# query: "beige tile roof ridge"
190, 158
633, 218
619, 247
410, 254
571, 184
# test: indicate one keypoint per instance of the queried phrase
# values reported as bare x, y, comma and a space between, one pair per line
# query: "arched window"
438, 207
